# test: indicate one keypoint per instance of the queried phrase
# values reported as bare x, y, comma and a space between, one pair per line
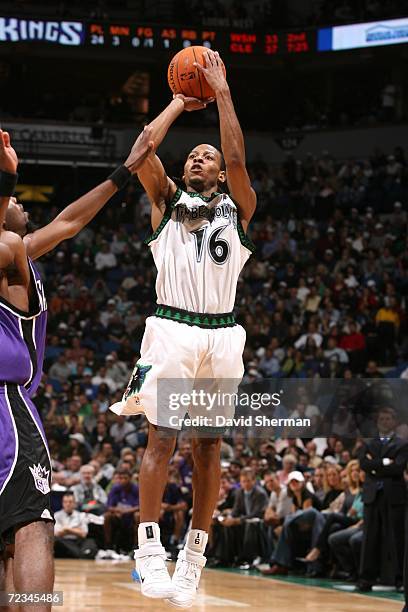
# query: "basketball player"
26, 522
199, 246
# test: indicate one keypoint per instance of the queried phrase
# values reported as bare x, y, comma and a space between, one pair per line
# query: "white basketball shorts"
185, 369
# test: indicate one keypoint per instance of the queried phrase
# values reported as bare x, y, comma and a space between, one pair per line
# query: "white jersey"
199, 250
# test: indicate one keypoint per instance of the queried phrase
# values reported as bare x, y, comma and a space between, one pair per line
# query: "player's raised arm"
232, 140
159, 187
13, 254
78, 214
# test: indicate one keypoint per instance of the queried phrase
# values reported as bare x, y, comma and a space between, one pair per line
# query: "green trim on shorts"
206, 321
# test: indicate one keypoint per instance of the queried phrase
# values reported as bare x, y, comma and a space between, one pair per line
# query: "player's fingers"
200, 67
6, 138
208, 58
1, 140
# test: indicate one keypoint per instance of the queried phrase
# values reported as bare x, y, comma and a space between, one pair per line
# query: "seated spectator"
71, 532
123, 432
172, 514
89, 496
351, 513
241, 537
279, 504
304, 521
70, 476
288, 465
122, 515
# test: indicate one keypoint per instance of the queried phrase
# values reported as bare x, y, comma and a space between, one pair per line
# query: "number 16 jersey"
199, 250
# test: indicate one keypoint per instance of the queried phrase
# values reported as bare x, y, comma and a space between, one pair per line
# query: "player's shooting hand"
140, 150
214, 70
193, 104
8, 156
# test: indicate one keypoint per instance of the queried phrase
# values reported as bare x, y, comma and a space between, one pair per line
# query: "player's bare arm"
78, 214
14, 258
232, 140
159, 187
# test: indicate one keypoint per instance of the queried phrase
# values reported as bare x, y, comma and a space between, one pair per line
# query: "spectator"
122, 515
71, 530
89, 496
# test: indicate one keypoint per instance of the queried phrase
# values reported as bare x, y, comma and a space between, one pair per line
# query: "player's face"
202, 170
16, 218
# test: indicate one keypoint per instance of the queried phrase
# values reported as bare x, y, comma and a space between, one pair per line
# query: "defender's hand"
214, 71
193, 104
140, 150
8, 156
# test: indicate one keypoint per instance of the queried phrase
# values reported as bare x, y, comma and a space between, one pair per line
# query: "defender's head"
16, 218
204, 169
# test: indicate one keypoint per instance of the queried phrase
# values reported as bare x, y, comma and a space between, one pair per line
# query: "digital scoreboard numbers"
276, 43
147, 37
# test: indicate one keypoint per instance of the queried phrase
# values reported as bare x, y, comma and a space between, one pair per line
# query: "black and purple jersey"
25, 463
22, 338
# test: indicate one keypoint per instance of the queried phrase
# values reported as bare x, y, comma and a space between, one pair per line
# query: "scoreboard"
173, 39
141, 36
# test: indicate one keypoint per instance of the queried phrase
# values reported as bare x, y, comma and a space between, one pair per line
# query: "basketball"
185, 78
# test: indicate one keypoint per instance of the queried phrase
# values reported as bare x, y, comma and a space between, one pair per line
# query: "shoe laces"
187, 572
155, 563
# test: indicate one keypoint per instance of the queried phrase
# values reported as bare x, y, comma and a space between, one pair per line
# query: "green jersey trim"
204, 320
245, 240
166, 217
195, 194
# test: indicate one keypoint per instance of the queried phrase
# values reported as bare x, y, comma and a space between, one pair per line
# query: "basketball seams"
194, 84
180, 89
198, 74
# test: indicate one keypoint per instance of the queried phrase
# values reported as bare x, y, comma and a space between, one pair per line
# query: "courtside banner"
360, 35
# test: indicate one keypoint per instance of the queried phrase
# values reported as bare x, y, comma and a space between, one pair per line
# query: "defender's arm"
78, 214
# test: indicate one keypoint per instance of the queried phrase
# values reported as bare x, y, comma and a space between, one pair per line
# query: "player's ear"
222, 177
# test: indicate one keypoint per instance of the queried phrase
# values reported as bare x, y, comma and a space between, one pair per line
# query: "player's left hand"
214, 70
193, 104
140, 150
8, 156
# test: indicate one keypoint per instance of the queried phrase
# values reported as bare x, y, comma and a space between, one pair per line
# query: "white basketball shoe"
155, 581
186, 578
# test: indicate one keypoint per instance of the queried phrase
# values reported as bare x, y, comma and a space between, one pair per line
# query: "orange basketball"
185, 78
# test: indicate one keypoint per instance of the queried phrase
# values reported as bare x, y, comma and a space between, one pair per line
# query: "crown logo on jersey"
41, 478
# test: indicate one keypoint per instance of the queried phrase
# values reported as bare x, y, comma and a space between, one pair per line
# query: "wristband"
120, 177
8, 184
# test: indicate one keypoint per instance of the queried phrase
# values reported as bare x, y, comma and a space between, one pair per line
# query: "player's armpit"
158, 186
241, 191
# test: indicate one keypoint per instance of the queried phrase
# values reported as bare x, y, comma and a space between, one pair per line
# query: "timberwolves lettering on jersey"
199, 250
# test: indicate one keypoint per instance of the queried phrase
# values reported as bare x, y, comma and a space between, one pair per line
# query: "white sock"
148, 533
197, 540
